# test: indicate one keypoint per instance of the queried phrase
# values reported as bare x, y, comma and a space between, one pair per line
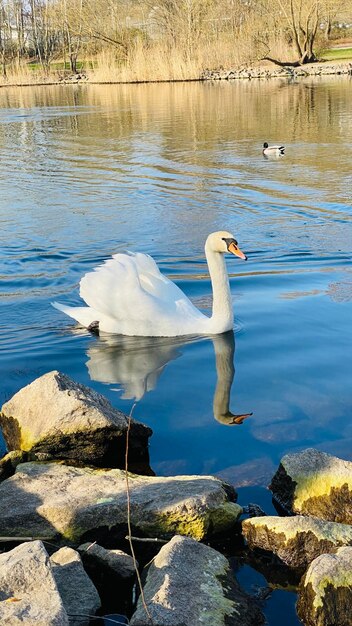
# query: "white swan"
128, 295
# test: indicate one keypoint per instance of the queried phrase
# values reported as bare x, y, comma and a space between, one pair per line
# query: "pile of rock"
314, 69
64, 483
316, 540
72, 77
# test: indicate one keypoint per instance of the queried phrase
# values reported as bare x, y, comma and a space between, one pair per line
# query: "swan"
127, 295
273, 150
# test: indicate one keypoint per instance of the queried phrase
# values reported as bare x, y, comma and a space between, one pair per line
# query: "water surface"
87, 171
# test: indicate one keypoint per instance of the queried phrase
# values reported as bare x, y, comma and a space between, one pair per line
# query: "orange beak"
235, 250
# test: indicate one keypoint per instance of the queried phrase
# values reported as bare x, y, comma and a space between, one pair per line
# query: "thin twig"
147, 539
129, 519
103, 617
3, 539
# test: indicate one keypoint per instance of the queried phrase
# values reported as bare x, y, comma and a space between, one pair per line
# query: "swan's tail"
84, 315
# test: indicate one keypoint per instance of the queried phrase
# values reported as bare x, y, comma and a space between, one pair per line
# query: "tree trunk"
73, 63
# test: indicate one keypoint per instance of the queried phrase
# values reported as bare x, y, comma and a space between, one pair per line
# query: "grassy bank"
337, 54
159, 63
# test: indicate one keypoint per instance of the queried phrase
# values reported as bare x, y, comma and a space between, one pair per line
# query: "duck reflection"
136, 363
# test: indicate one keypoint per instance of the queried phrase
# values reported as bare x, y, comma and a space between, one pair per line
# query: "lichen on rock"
315, 483
190, 583
296, 540
325, 591
57, 418
49, 499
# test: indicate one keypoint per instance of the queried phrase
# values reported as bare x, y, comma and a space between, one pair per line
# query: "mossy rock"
325, 592
296, 540
50, 499
56, 418
315, 483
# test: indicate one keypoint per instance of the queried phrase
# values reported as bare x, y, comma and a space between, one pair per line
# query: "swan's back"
136, 298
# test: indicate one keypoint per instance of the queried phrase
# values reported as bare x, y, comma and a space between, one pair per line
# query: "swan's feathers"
130, 286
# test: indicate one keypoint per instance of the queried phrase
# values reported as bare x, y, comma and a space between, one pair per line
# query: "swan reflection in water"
136, 364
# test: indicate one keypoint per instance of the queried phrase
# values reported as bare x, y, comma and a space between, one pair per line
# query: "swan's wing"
130, 286
153, 281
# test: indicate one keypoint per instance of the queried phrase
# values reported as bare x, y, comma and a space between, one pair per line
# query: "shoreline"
248, 73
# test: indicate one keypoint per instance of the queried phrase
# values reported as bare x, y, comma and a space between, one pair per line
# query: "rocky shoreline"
247, 72
66, 500
313, 69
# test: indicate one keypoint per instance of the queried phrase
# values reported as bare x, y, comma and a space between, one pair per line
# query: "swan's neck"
222, 316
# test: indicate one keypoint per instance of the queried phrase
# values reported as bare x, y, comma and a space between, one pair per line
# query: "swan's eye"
228, 241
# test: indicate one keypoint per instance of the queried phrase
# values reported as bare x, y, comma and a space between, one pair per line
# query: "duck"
273, 150
128, 295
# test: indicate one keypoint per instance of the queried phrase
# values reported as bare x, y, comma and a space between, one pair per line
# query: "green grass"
55, 65
337, 54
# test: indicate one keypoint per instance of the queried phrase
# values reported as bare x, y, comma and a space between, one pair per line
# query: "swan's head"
224, 242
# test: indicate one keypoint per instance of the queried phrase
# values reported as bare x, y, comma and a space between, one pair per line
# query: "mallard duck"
273, 150
127, 295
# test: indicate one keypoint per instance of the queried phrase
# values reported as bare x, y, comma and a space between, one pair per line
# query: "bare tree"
298, 23
72, 29
181, 22
45, 34
6, 44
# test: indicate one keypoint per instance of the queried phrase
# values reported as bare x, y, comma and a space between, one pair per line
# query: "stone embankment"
63, 484
314, 69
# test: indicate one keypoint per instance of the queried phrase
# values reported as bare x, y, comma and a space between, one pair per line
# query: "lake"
88, 171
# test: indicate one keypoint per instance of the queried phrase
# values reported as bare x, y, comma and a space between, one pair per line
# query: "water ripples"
86, 173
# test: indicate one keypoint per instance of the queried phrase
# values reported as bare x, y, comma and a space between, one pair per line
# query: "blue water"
89, 171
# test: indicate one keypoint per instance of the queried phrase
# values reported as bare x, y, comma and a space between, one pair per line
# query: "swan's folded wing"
131, 286
154, 282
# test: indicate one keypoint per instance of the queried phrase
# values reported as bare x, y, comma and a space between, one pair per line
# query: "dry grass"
24, 75
158, 62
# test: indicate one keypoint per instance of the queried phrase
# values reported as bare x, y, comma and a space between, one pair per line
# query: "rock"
113, 574
189, 583
315, 483
325, 591
78, 594
116, 562
297, 540
28, 591
9, 463
62, 419
313, 69
46, 499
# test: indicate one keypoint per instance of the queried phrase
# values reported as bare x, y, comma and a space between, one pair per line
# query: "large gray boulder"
315, 483
297, 540
79, 596
325, 591
49, 499
57, 418
189, 583
28, 591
